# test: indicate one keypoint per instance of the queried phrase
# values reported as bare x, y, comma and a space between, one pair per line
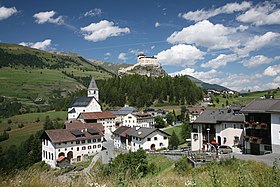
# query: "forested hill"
143, 91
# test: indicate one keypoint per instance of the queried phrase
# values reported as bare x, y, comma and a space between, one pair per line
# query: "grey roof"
82, 101
121, 130
213, 116
142, 132
262, 106
124, 111
92, 84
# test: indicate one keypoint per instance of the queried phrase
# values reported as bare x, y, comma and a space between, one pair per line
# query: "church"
85, 104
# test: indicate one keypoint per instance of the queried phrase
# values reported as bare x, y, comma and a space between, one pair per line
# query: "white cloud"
205, 34
101, 31
180, 55
48, 17
257, 42
255, 61
242, 27
221, 60
272, 70
93, 13
152, 47
157, 24
122, 56
7, 12
263, 14
229, 8
44, 45
107, 54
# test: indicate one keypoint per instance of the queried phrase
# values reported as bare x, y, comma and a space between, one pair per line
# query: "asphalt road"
108, 153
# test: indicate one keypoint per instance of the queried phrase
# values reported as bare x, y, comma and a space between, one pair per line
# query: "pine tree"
173, 141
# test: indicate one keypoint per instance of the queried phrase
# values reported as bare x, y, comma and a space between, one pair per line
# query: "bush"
8, 129
4, 136
9, 121
183, 166
20, 125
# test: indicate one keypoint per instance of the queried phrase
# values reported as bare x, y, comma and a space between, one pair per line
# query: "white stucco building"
73, 144
106, 118
217, 126
139, 120
140, 137
262, 126
85, 104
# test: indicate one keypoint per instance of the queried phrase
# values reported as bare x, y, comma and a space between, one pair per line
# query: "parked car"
224, 149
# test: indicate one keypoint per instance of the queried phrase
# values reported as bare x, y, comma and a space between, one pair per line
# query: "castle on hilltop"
146, 66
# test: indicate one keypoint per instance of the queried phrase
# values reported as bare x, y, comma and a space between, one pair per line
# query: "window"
71, 148
225, 126
65, 142
225, 140
94, 146
99, 145
89, 141
49, 155
234, 126
52, 156
84, 148
241, 126
160, 144
83, 141
59, 143
149, 139
77, 142
71, 142
164, 137
89, 147
99, 140
195, 137
155, 138
65, 149
77, 148
94, 140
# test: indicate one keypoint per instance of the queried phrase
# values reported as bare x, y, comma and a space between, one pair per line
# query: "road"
108, 153
268, 159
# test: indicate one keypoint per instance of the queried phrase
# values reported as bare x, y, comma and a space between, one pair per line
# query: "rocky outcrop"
145, 69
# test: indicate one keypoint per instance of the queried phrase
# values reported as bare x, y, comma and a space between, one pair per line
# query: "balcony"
254, 139
255, 125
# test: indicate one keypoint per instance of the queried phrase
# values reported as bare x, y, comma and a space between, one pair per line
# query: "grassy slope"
177, 130
245, 99
23, 81
18, 135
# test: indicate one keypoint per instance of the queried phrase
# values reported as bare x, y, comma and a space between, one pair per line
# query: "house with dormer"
106, 118
217, 126
85, 104
139, 119
73, 144
140, 138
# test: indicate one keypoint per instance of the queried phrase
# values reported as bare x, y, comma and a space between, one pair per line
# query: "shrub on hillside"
8, 129
20, 125
183, 166
4, 136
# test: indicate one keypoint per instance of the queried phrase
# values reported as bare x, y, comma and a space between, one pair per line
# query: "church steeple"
93, 90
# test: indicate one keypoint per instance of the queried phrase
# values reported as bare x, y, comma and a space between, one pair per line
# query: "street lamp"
208, 129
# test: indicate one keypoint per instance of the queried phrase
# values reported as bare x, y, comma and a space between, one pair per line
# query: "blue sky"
232, 43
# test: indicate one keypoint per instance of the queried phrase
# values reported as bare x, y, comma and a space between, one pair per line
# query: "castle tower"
93, 90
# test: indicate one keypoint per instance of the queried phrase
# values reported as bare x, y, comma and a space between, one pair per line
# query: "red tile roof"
76, 124
96, 115
141, 115
65, 135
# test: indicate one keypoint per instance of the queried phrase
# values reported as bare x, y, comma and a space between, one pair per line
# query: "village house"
139, 119
140, 137
217, 126
85, 104
122, 112
262, 126
194, 112
73, 144
106, 118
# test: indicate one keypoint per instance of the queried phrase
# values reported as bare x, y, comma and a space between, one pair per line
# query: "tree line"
28, 153
143, 91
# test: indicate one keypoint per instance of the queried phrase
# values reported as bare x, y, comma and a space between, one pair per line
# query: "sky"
232, 43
